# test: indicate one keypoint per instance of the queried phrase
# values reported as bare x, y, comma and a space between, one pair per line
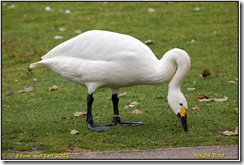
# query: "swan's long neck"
172, 59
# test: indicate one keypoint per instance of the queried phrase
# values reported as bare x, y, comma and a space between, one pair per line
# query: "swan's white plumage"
101, 45
107, 59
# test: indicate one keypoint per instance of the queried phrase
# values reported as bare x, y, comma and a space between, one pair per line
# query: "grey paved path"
208, 152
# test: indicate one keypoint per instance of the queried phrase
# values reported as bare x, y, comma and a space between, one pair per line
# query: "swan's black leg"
90, 100
89, 119
115, 100
116, 119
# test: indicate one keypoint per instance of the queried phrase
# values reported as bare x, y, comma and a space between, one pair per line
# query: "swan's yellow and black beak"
183, 118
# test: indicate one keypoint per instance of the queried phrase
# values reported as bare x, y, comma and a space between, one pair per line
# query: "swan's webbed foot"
98, 127
118, 122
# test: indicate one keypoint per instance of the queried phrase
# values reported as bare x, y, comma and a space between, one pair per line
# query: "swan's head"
178, 103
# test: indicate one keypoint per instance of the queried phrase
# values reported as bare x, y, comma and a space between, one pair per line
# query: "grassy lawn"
41, 120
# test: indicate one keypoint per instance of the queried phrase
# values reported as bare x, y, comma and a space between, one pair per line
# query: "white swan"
99, 59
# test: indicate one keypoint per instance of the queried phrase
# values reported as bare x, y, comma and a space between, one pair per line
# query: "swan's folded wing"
103, 46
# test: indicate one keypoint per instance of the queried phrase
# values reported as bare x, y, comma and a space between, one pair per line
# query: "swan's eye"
181, 104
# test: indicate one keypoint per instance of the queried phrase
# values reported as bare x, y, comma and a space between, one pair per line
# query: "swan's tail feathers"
33, 65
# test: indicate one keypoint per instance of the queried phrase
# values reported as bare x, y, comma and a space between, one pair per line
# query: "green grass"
35, 121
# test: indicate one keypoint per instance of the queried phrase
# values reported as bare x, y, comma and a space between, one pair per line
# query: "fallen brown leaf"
236, 130
57, 37
73, 132
62, 29
136, 111
79, 113
150, 10
206, 73
53, 88
12, 6
221, 99
237, 110
196, 9
148, 42
191, 89
192, 41
9, 93
78, 31
214, 99
232, 82
202, 97
131, 105
159, 97
28, 89
230, 133
122, 94
205, 100
134, 103
196, 108
48, 8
